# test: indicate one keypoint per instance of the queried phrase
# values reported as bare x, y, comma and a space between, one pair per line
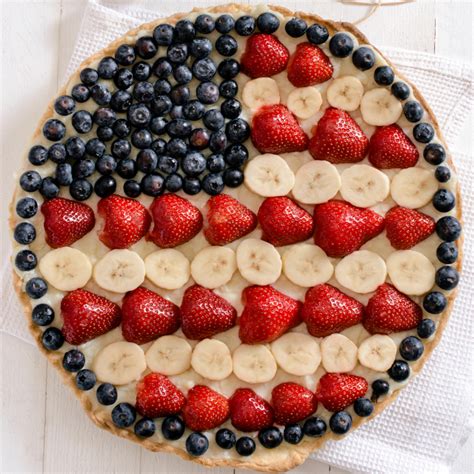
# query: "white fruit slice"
361, 271
119, 363
211, 359
66, 268
258, 262
338, 353
316, 182
213, 266
413, 187
167, 268
304, 101
269, 175
307, 265
169, 355
254, 364
364, 185
259, 92
411, 272
119, 271
379, 107
377, 352
345, 93
297, 353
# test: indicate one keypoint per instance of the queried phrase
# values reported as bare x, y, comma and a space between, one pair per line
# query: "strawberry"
309, 66
157, 396
87, 316
337, 138
284, 222
146, 315
267, 314
338, 391
126, 221
292, 403
204, 314
276, 130
327, 310
390, 148
227, 220
341, 228
389, 311
176, 221
249, 411
66, 221
407, 227
264, 56
205, 409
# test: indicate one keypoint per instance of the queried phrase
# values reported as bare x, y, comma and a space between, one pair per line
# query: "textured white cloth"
424, 429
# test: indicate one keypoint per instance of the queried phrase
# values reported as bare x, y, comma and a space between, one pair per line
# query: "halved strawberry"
309, 65
338, 391
292, 403
249, 411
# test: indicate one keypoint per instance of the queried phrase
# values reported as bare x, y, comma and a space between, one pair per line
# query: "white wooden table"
43, 427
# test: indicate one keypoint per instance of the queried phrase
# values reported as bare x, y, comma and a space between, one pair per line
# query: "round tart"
237, 234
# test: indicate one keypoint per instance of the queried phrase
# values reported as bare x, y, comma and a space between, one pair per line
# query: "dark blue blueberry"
142, 138
229, 68
24, 233
193, 110
204, 24
423, 132
434, 153
106, 164
245, 446
215, 163
204, 69
73, 360
193, 164
399, 371
36, 288
124, 79
85, 380
162, 69
143, 91
447, 252
163, 34
218, 141
89, 76
121, 101
82, 121
176, 112
75, 148
100, 94
25, 260
363, 58
106, 394
340, 422
105, 133
224, 24
231, 108
26, 207
384, 75
411, 348
104, 117
38, 155
42, 315
107, 68
173, 183
80, 93
184, 31
448, 228
380, 387
213, 119
268, 23
64, 105
245, 25
191, 186
125, 55
318, 34
296, 27
236, 155
237, 130
145, 47
124, 415
158, 125
141, 71
145, 428
213, 184
413, 111
52, 339
132, 188
139, 115
363, 407
179, 128
95, 147
162, 87
152, 184
105, 186
444, 200
270, 437
447, 278
293, 434
168, 164
226, 45
400, 90
63, 174
228, 89
314, 427
426, 328
180, 94
83, 168
147, 160
341, 45
161, 105
57, 153
199, 138
49, 188
30, 181
225, 438
173, 427
196, 444
233, 177
54, 130
177, 53
80, 189
200, 48
158, 146
177, 148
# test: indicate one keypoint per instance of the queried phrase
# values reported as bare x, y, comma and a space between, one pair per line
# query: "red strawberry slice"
309, 66
146, 315
87, 316
264, 56
389, 311
327, 310
390, 148
126, 221
337, 138
276, 130
227, 220
338, 391
176, 221
292, 403
66, 221
205, 409
204, 314
157, 396
267, 314
341, 228
249, 411
284, 222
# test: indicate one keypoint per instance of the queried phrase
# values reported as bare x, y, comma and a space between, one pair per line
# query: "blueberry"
399, 371
132, 188
36, 288
177, 53
100, 94
89, 76
213, 119
63, 174
411, 348
162, 87
173, 183
237, 130
121, 101
199, 138
218, 141
139, 115
296, 27
142, 138
54, 130
125, 54
341, 45
196, 444
236, 155
193, 164
204, 24
95, 147
105, 186
268, 23
340, 422
73, 360
423, 132
245, 446
204, 69
168, 164
106, 164
152, 184
434, 153
182, 74
141, 71
363, 407
124, 79
245, 25
447, 278
314, 427
145, 428
80, 189
318, 34
83, 168
64, 105
442, 174
49, 188
107, 68
24, 233
193, 110
124, 415
293, 434
158, 125
444, 200
38, 155
127, 168
233, 177
426, 328
180, 94
162, 68
228, 68
177, 148
82, 121
224, 23
270, 437
105, 133
30, 181
384, 75
228, 89
159, 146
161, 105
380, 387
213, 184
25, 260
144, 91
226, 45
400, 90
75, 148
184, 31
26, 207
163, 34
80, 93
106, 394
200, 48
225, 438
145, 47
215, 163
231, 108
448, 229
413, 111
42, 315
57, 153
447, 252
177, 111
363, 58
52, 339
191, 186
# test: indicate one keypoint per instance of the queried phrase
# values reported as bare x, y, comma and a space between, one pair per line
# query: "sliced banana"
254, 364
258, 262
316, 182
345, 93
304, 102
119, 271
379, 107
364, 185
167, 268
169, 355
361, 271
297, 353
213, 266
119, 363
413, 187
259, 92
269, 175
377, 352
211, 359
338, 353
66, 268
411, 272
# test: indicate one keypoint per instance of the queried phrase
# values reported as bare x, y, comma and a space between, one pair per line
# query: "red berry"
292, 403
249, 411
309, 66
338, 391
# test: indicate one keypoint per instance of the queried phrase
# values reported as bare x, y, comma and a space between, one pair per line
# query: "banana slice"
119, 271
269, 175
119, 363
379, 107
304, 102
258, 262
345, 93
254, 364
362, 271
413, 187
297, 353
338, 353
307, 265
411, 272
316, 182
364, 185
213, 266
377, 352
259, 92
66, 268
211, 359
167, 268
169, 355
